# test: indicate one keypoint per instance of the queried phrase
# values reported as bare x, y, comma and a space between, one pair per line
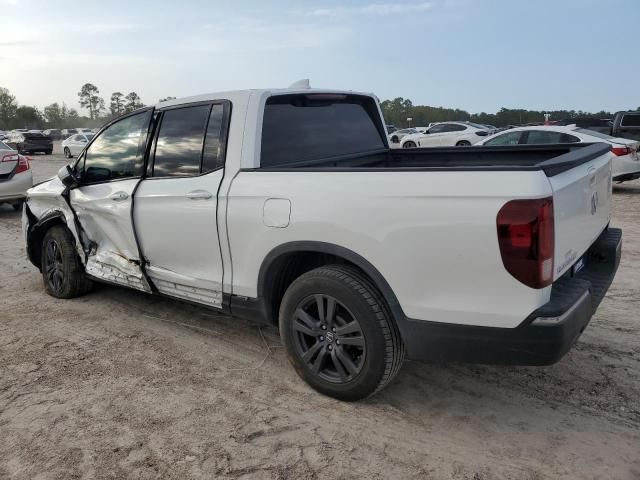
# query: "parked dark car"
27, 142
626, 125
54, 133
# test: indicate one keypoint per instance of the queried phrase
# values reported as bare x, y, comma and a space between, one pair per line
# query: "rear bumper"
541, 339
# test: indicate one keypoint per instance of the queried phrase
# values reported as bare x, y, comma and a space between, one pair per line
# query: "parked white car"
72, 146
447, 134
626, 160
398, 135
287, 206
15, 176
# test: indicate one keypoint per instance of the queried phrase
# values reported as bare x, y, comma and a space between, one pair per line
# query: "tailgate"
582, 209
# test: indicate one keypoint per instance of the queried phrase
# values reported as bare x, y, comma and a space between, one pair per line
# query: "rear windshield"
4, 146
593, 133
631, 120
299, 128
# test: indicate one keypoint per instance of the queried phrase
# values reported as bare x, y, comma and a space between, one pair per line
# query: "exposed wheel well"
36, 232
280, 269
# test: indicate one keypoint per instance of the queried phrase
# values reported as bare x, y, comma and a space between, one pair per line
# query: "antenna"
301, 84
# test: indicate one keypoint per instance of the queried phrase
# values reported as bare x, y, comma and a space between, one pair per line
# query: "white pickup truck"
287, 206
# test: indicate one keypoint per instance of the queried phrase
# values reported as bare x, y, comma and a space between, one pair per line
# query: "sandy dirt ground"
119, 384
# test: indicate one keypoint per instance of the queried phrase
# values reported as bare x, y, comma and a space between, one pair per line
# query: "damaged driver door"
109, 171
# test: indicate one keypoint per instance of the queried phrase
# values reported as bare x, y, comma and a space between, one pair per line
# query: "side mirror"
67, 177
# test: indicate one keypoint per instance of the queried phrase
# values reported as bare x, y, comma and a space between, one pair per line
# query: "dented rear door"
109, 171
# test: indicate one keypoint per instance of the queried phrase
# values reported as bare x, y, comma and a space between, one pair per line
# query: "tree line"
58, 115
398, 110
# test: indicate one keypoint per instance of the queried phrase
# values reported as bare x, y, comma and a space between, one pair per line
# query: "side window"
510, 138
455, 127
215, 139
566, 138
539, 137
75, 138
118, 152
438, 128
630, 120
179, 143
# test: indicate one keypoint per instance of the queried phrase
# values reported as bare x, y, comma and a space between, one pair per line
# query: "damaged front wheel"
62, 272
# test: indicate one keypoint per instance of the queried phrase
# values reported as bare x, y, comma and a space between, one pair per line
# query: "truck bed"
552, 159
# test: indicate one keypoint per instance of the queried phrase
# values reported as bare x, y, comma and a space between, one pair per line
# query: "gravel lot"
118, 384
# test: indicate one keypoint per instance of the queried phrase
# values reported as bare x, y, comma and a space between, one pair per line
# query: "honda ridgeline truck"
288, 206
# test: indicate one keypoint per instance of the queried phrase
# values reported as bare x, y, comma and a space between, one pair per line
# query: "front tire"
409, 144
67, 152
338, 333
62, 272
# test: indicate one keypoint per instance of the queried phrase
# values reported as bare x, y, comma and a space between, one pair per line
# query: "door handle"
199, 195
119, 196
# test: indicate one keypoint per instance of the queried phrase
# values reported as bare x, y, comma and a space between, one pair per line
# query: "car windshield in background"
593, 133
89, 136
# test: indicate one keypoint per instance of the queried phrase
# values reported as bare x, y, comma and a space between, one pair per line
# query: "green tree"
29, 117
117, 104
8, 107
53, 115
133, 102
90, 100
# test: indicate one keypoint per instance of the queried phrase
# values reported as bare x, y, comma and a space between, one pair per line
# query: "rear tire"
48, 152
67, 152
463, 143
350, 354
409, 144
62, 272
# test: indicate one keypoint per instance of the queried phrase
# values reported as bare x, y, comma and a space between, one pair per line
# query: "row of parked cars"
626, 164
40, 141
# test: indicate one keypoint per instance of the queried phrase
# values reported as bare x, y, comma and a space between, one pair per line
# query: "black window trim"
150, 158
82, 157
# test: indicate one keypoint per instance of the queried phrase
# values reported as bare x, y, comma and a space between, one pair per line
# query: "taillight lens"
619, 151
526, 239
12, 157
23, 164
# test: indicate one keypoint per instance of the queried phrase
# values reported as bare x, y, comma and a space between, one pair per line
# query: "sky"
477, 55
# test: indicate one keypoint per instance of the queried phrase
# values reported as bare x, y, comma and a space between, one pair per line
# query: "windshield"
593, 133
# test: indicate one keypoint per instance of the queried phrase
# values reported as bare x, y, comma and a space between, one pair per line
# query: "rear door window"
630, 120
540, 137
180, 140
299, 128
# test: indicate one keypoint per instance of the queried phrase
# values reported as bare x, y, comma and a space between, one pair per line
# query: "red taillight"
23, 164
12, 157
526, 239
619, 151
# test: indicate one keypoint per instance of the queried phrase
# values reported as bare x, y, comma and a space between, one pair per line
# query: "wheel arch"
288, 261
37, 230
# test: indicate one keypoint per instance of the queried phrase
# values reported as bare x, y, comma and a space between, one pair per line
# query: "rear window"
593, 133
4, 146
630, 120
299, 128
